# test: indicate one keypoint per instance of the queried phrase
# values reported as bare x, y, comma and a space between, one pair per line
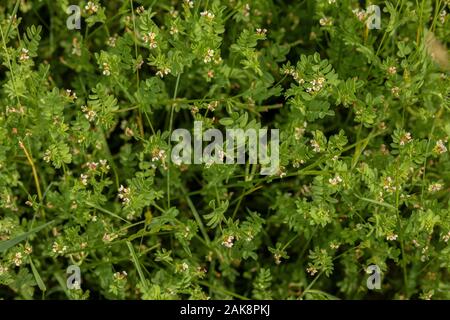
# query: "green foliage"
86, 177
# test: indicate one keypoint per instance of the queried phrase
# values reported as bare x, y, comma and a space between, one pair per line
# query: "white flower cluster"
158, 155
406, 138
24, 55
261, 32
391, 237
388, 185
300, 131
315, 145
360, 14
163, 72
91, 7
435, 187
207, 14
335, 181
89, 114
120, 275
440, 147
173, 30
106, 69
47, 156
326, 21
3, 269
150, 39
442, 16
59, 249
124, 194
189, 3
112, 41
316, 85
446, 237
392, 70
71, 94
311, 270
228, 241
208, 56
84, 179
291, 71
108, 237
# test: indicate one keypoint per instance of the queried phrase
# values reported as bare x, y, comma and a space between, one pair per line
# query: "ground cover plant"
87, 183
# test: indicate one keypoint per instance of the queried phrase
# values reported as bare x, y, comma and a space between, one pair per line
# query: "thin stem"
170, 130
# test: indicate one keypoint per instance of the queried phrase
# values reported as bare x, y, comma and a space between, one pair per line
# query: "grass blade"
5, 245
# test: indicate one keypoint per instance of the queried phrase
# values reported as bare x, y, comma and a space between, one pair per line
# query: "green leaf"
37, 276
5, 245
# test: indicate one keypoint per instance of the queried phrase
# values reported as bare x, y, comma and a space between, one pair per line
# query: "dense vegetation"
86, 177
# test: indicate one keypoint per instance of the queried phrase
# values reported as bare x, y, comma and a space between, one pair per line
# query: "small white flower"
184, 266
194, 110
47, 155
446, 237
57, 248
406, 138
17, 259
3, 269
28, 249
213, 105
392, 237
71, 94
326, 21
92, 165
163, 72
435, 187
150, 38
334, 246
392, 70
335, 181
112, 41
442, 16
124, 194
228, 242
120, 275
388, 184
299, 132
104, 164
24, 55
360, 14
173, 30
189, 3
91, 7
395, 92
106, 69
209, 55
158, 154
261, 32
246, 10
207, 14
140, 10
440, 147
311, 270
108, 237
84, 178
315, 145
